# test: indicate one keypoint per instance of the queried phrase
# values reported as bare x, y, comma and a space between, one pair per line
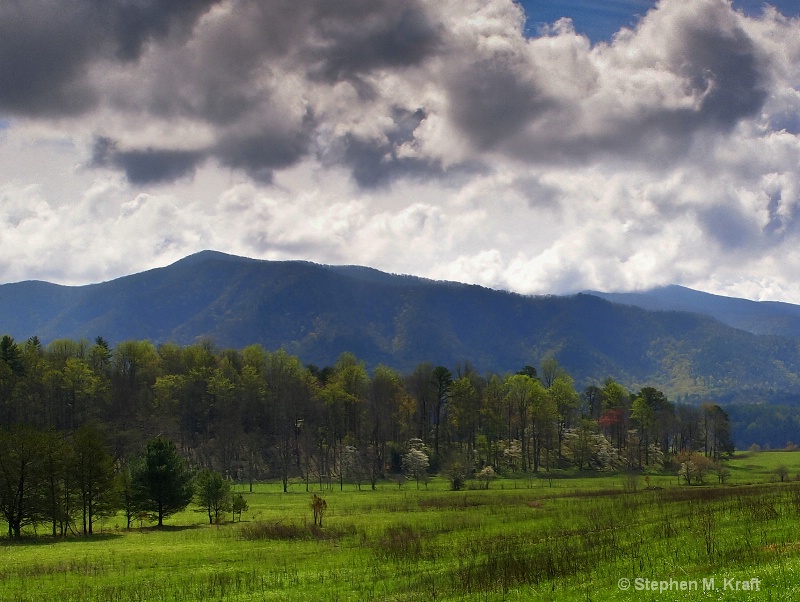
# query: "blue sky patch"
601, 19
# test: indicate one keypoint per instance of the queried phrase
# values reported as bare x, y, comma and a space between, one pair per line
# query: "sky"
544, 147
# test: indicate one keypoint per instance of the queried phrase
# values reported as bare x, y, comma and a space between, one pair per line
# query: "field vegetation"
565, 536
188, 473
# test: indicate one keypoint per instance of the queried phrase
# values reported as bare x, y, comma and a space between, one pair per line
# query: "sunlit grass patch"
566, 542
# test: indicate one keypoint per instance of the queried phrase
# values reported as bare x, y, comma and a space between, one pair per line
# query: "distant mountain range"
712, 348
758, 317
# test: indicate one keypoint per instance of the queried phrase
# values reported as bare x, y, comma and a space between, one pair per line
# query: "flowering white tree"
486, 475
415, 464
512, 453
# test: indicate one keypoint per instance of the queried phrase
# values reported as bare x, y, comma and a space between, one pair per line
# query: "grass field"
539, 538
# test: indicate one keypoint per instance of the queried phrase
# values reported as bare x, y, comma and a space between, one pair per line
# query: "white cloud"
418, 137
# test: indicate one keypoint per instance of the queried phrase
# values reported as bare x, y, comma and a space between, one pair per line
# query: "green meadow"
552, 536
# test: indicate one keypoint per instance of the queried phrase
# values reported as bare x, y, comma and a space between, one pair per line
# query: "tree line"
253, 414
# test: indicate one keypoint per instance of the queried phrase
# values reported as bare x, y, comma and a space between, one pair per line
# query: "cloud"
428, 137
145, 166
272, 83
48, 46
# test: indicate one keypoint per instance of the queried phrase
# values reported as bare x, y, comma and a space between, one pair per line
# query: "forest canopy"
74, 408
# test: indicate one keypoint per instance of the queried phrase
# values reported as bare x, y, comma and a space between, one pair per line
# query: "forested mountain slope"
317, 312
757, 317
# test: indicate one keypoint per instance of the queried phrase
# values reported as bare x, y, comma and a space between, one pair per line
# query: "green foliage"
132, 497
316, 311
458, 473
213, 493
238, 505
22, 478
163, 479
93, 475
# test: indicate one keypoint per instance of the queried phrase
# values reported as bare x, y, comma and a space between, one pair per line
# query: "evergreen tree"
163, 479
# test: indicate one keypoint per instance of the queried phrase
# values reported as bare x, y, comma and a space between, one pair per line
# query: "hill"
317, 312
757, 317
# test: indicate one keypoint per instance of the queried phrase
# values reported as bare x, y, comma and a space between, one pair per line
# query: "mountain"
318, 312
757, 317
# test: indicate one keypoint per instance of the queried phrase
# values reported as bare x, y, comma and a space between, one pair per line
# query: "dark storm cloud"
43, 50
725, 67
492, 101
719, 64
241, 74
260, 153
146, 166
265, 83
47, 46
377, 163
136, 21
357, 37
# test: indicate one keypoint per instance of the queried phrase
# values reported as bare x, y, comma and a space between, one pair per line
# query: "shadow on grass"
49, 540
164, 528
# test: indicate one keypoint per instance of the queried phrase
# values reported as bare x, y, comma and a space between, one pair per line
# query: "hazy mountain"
317, 312
758, 317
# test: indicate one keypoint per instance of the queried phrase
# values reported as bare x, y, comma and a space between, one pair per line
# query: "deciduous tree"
93, 470
213, 494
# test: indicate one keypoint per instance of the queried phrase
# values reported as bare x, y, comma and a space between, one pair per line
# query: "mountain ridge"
318, 312
758, 317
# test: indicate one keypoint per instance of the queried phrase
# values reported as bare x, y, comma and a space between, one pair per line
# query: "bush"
457, 473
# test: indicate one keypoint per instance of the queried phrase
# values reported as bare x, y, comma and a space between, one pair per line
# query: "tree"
415, 464
464, 406
81, 391
163, 479
10, 355
695, 467
458, 472
443, 380
716, 430
289, 391
93, 469
135, 366
550, 371
486, 476
22, 492
131, 496
581, 442
521, 391
383, 409
651, 411
318, 506
11, 373
238, 505
565, 398
58, 487
491, 415
213, 494
420, 386
616, 412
